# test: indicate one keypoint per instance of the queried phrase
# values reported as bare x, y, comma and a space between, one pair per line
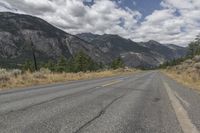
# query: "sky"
167, 21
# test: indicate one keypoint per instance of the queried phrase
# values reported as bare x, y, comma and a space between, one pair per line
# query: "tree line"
193, 50
194, 47
80, 62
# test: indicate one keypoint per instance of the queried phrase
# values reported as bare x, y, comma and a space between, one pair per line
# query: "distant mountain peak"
17, 31
144, 54
153, 42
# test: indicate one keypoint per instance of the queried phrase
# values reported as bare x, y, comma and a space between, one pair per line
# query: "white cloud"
178, 22
73, 16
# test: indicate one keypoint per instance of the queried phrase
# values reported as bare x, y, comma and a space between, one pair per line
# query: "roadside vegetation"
186, 70
77, 68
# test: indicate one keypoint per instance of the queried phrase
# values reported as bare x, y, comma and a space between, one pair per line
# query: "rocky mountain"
20, 34
142, 54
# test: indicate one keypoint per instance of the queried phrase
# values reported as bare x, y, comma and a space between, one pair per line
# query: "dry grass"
192, 81
187, 73
15, 78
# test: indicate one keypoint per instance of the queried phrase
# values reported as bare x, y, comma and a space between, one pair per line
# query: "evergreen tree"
80, 62
117, 63
62, 65
83, 62
50, 65
28, 65
194, 47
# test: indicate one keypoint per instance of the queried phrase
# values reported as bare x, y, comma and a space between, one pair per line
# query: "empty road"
146, 102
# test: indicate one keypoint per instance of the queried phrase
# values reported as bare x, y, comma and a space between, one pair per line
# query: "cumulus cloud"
104, 16
177, 22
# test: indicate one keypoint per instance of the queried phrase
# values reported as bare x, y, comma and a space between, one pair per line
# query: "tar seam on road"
98, 115
181, 99
181, 113
40, 103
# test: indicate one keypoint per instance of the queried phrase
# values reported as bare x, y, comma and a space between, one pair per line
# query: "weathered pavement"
147, 102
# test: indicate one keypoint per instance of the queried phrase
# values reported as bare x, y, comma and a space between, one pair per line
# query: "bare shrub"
3, 71
4, 78
189, 61
45, 71
15, 72
178, 72
197, 58
4, 75
197, 65
39, 75
195, 78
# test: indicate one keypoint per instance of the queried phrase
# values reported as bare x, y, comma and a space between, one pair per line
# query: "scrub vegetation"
186, 70
79, 67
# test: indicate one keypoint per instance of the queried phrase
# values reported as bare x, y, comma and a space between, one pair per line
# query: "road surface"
146, 102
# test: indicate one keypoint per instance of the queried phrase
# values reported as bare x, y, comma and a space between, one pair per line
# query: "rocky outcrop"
143, 54
20, 34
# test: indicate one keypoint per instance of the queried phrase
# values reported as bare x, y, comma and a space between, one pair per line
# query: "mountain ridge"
17, 31
154, 52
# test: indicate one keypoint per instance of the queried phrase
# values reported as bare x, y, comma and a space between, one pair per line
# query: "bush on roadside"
197, 65
39, 75
45, 71
4, 78
189, 61
3, 71
4, 75
15, 72
197, 58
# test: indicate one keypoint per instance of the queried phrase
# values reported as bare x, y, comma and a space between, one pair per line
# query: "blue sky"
166, 21
146, 7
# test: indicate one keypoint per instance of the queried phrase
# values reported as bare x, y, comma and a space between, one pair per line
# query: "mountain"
167, 51
142, 54
18, 31
20, 34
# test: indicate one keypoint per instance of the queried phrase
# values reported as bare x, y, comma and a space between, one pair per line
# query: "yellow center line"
111, 83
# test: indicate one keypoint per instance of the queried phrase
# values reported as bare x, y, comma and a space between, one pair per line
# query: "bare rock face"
144, 54
18, 32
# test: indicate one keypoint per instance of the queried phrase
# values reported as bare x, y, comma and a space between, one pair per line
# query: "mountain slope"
167, 51
144, 54
17, 32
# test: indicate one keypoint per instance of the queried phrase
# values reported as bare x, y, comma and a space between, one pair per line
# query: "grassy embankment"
16, 78
187, 73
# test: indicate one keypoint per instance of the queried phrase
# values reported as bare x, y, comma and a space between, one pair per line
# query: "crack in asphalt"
98, 115
50, 100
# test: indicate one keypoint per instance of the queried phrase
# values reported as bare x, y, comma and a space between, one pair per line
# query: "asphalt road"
146, 102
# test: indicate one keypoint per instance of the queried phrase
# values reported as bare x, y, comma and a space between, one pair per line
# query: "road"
145, 102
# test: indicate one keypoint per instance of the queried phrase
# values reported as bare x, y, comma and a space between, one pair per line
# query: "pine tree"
61, 65
28, 65
194, 47
117, 63
82, 62
50, 65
